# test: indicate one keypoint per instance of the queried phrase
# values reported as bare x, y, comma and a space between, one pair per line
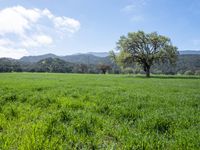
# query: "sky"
64, 27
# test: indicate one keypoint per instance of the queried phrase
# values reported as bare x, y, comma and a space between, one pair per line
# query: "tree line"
51, 65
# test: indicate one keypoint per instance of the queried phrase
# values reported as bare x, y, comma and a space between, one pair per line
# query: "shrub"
128, 70
197, 72
157, 72
180, 72
189, 72
138, 70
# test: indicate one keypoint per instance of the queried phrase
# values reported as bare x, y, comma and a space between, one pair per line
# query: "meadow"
73, 111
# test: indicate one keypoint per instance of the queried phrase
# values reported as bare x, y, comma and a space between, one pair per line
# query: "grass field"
70, 111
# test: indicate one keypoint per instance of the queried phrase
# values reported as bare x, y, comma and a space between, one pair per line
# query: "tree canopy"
145, 49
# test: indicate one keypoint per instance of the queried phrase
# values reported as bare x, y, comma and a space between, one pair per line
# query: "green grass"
70, 111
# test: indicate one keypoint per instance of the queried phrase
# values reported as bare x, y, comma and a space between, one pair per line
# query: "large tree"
145, 49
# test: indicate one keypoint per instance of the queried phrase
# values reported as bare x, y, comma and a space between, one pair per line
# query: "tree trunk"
104, 71
147, 71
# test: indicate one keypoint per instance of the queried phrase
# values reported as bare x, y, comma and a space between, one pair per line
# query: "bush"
189, 72
157, 72
197, 72
138, 70
128, 70
180, 72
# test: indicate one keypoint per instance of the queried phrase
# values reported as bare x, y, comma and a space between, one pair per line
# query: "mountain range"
87, 58
190, 52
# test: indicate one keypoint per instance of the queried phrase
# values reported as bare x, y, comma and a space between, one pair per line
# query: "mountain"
189, 52
53, 65
9, 65
99, 54
33, 59
182, 52
186, 62
76, 58
86, 59
189, 62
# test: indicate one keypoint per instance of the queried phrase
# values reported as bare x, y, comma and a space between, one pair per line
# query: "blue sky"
62, 27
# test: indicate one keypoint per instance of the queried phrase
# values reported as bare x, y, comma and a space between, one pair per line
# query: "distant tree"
83, 68
104, 68
145, 49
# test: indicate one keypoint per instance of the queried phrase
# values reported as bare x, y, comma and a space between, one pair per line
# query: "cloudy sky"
62, 27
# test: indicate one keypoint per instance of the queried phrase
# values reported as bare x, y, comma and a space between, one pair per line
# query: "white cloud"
134, 6
20, 29
37, 40
19, 19
12, 21
47, 13
135, 10
63, 23
67, 24
30, 14
43, 39
5, 42
13, 53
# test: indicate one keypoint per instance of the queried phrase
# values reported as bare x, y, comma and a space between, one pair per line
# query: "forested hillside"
89, 63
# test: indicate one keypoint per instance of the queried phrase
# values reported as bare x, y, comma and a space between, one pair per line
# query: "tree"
145, 49
104, 68
83, 68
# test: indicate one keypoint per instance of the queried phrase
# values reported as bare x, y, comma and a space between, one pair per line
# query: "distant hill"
186, 62
182, 52
99, 54
95, 58
53, 65
9, 65
33, 59
86, 59
76, 58
189, 62
188, 52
